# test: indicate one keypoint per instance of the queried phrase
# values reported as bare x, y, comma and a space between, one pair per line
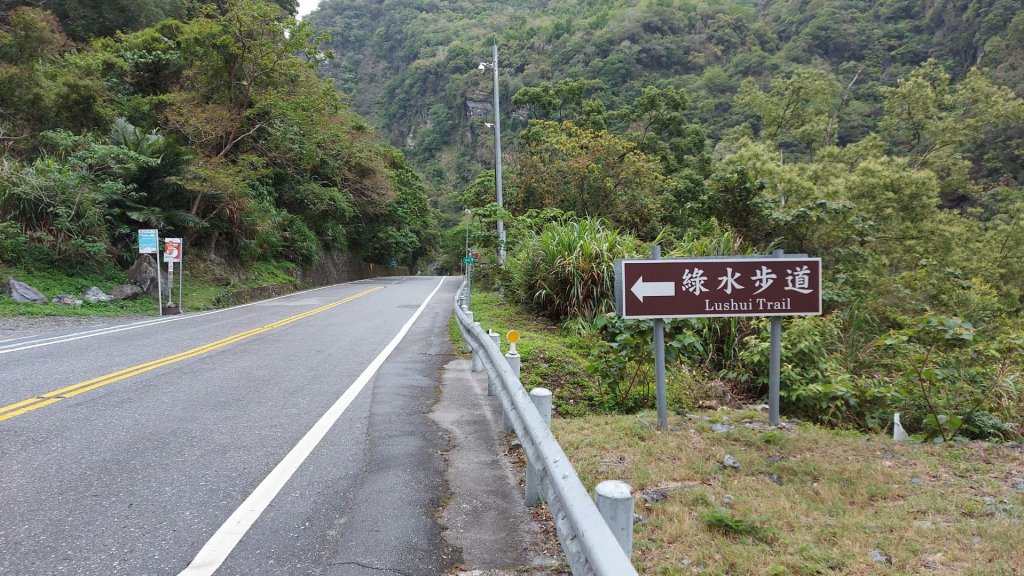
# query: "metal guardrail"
590, 546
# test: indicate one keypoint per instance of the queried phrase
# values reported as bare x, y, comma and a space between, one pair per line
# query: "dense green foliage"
85, 19
212, 127
886, 138
412, 64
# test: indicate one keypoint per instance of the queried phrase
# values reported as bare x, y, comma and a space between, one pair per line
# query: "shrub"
624, 363
58, 205
566, 271
815, 383
956, 380
13, 243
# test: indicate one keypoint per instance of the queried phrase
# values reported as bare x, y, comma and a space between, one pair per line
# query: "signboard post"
775, 358
172, 254
468, 261
775, 286
148, 244
659, 358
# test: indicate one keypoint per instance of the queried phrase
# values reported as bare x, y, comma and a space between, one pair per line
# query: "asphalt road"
105, 471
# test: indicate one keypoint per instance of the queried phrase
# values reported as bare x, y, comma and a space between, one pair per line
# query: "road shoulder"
485, 516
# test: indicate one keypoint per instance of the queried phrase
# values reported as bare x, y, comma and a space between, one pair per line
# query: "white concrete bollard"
614, 500
515, 362
541, 398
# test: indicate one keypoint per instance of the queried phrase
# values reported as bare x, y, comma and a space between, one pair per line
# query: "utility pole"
497, 159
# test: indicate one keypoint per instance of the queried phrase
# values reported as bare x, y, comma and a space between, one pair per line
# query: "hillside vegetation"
209, 124
412, 64
886, 138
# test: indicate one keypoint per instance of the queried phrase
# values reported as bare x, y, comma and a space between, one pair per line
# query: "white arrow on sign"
644, 289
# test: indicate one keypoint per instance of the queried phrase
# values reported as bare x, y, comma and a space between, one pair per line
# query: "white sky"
307, 6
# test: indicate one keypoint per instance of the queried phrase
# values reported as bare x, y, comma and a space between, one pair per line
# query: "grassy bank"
804, 500
206, 285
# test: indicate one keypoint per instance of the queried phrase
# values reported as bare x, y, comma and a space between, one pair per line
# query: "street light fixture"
493, 65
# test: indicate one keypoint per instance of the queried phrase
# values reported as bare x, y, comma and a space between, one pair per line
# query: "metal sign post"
775, 286
468, 261
170, 283
159, 288
181, 277
659, 358
775, 362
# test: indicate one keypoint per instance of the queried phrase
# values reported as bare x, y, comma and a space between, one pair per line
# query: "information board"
697, 287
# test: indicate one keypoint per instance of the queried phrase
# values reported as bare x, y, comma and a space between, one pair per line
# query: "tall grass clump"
566, 271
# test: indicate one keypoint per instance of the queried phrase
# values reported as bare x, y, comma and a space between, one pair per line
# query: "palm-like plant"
567, 270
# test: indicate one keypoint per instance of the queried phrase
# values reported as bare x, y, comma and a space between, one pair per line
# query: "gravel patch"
18, 327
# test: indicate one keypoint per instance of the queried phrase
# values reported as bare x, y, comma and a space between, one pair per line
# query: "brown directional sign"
698, 287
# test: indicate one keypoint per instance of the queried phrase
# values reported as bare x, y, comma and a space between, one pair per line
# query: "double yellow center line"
36, 402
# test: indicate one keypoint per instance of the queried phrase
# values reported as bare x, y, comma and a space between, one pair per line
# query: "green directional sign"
467, 260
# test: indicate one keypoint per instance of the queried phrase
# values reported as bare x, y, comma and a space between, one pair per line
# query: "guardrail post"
465, 333
478, 363
496, 339
614, 501
515, 362
541, 398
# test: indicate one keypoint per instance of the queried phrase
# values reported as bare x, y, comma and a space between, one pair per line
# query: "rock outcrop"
143, 273
21, 292
95, 295
126, 292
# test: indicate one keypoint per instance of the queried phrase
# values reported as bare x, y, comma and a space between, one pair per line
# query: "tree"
795, 110
656, 121
592, 173
85, 19
954, 130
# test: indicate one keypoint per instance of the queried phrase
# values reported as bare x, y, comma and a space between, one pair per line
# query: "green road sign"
467, 260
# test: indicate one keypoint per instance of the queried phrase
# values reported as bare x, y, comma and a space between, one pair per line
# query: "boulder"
22, 292
126, 292
95, 295
66, 300
143, 273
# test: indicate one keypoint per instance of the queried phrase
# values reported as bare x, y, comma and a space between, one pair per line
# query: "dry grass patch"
805, 500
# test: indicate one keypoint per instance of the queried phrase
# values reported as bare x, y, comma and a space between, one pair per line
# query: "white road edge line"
224, 540
140, 324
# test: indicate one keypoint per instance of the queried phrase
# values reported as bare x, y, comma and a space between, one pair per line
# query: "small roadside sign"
148, 243
467, 260
172, 249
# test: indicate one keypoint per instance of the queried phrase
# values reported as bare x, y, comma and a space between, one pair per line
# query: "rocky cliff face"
333, 268
479, 108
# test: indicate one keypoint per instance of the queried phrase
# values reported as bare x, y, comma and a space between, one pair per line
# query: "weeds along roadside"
805, 499
206, 286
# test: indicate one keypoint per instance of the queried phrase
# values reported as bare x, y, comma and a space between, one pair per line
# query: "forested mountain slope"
210, 125
411, 64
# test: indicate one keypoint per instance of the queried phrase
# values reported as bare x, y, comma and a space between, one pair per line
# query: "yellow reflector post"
512, 336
